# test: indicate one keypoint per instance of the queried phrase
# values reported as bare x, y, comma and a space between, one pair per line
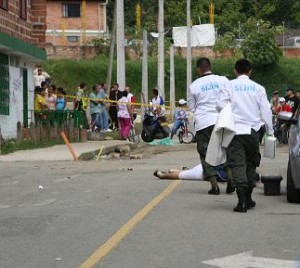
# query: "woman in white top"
51, 99
124, 115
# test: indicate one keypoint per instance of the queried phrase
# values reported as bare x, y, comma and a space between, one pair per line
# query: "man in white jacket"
202, 101
249, 105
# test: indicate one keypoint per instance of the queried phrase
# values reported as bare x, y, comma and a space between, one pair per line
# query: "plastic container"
271, 184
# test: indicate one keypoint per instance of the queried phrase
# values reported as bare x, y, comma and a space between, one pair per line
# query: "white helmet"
182, 101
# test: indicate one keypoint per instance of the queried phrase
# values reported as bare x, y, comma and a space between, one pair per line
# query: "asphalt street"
57, 214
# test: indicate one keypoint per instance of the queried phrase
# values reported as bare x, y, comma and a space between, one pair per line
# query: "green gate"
25, 98
4, 85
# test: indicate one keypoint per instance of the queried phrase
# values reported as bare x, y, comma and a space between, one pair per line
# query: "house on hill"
22, 33
72, 24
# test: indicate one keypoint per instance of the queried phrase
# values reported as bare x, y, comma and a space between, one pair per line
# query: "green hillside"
69, 74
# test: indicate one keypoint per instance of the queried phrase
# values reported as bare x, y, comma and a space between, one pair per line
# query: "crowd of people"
106, 112
288, 103
48, 97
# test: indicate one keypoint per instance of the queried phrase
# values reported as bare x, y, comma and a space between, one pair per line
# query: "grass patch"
12, 145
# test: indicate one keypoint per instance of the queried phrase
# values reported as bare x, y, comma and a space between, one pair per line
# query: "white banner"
202, 36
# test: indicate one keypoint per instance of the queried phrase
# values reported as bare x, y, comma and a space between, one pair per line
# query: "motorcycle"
154, 128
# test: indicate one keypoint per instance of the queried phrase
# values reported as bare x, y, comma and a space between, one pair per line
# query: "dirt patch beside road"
147, 150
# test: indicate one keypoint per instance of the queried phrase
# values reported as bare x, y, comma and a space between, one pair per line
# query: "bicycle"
281, 130
184, 135
132, 135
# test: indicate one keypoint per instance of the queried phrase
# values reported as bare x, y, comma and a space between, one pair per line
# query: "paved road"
57, 214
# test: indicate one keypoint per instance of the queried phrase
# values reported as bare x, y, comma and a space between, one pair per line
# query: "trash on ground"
165, 141
41, 187
136, 156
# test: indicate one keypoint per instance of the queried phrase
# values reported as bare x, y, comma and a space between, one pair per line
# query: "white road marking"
4, 206
46, 202
247, 260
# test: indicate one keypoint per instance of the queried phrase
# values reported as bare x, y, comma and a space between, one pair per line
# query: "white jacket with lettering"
203, 94
249, 105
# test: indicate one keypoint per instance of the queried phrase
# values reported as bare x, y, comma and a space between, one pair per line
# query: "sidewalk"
84, 151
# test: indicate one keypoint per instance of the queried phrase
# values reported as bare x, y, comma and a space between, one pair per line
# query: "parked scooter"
154, 128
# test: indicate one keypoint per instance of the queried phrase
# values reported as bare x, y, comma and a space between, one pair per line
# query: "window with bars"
71, 10
4, 4
23, 9
73, 38
4, 85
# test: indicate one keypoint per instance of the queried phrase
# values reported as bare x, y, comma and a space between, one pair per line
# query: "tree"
228, 15
260, 46
224, 43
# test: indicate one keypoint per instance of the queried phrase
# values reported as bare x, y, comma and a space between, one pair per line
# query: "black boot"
249, 201
214, 190
229, 189
241, 205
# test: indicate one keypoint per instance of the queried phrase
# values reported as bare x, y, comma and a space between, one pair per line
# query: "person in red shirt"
276, 107
284, 107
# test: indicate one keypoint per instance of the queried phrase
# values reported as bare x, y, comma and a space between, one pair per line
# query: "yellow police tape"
116, 102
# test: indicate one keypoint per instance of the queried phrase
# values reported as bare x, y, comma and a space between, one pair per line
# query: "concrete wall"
9, 122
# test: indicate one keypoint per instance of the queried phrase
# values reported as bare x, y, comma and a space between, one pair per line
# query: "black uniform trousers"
243, 156
202, 139
113, 114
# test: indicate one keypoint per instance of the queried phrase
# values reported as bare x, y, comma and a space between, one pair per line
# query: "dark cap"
290, 89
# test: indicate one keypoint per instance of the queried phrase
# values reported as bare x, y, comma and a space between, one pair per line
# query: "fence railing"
48, 125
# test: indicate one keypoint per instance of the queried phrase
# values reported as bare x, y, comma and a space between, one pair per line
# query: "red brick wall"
292, 53
38, 8
13, 25
71, 52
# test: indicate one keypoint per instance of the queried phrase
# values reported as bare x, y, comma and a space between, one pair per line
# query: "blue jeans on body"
96, 120
177, 124
104, 119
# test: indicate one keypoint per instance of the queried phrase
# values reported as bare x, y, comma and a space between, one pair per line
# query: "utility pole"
172, 79
161, 58
188, 46
111, 51
121, 79
283, 37
145, 67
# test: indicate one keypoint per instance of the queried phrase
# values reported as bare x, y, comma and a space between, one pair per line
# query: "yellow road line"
113, 241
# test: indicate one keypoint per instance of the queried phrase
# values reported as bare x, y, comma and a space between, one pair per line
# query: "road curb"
106, 150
